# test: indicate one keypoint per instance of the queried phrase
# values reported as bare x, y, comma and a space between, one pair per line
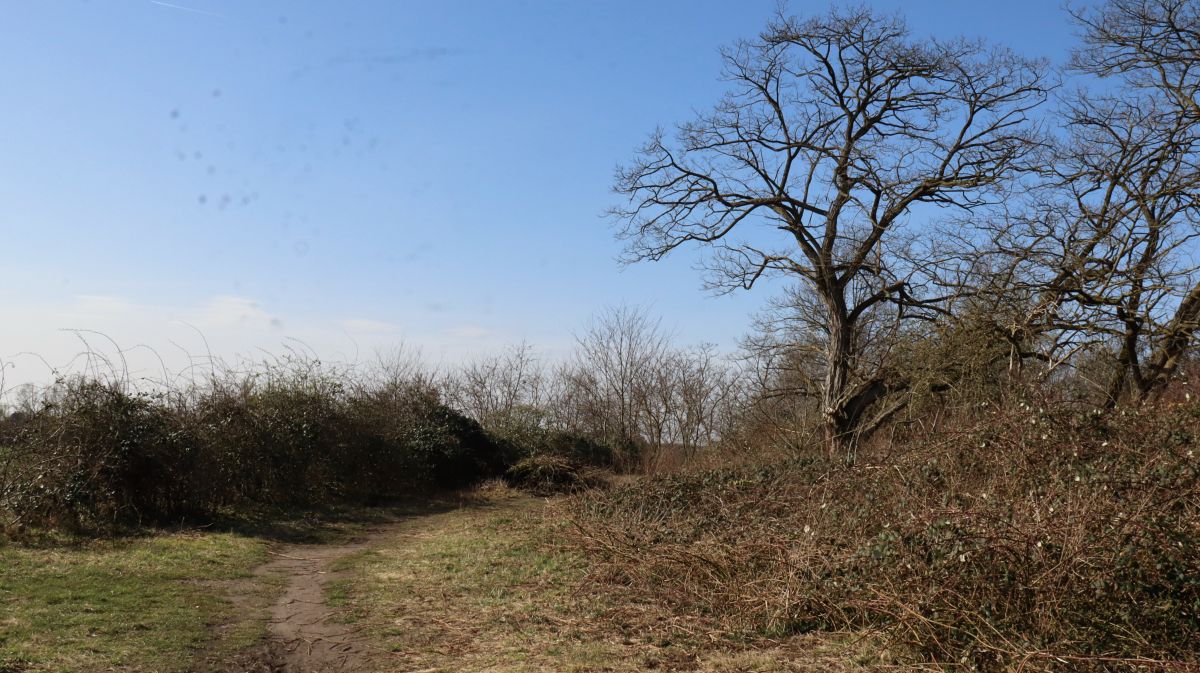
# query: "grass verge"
134, 604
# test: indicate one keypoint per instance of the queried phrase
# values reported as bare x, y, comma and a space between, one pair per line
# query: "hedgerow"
99, 456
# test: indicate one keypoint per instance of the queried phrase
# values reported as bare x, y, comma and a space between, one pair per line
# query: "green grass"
136, 604
158, 602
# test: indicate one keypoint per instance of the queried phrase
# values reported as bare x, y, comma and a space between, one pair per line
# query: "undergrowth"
1033, 540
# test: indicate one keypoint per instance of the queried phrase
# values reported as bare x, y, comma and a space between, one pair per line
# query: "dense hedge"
99, 456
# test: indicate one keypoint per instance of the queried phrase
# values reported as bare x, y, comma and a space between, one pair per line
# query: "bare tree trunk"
1127, 359
839, 430
1178, 338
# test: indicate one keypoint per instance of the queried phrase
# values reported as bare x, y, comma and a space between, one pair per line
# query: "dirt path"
303, 635
300, 620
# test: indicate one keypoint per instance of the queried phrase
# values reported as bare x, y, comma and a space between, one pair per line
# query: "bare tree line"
626, 383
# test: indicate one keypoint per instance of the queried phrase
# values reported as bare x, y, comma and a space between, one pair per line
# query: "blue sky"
356, 174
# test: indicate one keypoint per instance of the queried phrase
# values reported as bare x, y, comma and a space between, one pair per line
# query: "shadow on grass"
321, 524
330, 523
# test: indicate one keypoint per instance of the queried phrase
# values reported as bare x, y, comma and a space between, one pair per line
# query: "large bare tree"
840, 137
1103, 257
1146, 153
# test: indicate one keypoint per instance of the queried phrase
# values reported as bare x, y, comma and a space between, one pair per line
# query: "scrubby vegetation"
1030, 539
96, 455
1019, 525
550, 474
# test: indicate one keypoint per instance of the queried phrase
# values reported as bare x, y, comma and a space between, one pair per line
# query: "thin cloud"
193, 10
231, 310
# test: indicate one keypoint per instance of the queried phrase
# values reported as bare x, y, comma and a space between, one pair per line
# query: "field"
481, 582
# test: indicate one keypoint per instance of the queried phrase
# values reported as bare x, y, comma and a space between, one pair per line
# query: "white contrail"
187, 9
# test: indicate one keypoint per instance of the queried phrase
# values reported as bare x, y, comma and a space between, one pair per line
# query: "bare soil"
303, 634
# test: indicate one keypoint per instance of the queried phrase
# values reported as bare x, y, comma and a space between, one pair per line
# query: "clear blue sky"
355, 173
